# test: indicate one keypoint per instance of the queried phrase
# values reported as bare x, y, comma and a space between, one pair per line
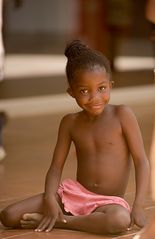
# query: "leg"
11, 216
105, 219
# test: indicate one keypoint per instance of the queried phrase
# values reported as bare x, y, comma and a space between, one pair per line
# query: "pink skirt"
79, 201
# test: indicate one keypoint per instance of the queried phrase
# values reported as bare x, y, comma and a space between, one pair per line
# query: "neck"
91, 117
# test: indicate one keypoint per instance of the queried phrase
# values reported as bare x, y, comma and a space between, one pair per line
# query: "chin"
97, 112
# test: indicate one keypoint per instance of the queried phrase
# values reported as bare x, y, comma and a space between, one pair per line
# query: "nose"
93, 96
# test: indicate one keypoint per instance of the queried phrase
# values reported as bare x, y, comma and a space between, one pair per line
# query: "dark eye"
84, 91
101, 88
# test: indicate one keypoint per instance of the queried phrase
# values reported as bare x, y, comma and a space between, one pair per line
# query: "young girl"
104, 136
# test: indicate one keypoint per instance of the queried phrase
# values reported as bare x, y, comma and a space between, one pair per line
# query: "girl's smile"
91, 90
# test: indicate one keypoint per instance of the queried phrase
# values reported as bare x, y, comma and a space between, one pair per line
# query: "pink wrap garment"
79, 201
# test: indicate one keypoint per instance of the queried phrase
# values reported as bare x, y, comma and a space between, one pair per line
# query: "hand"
52, 214
138, 217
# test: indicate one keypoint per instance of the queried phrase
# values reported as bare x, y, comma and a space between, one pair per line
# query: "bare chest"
97, 135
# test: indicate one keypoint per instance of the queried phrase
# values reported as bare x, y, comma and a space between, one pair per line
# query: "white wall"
49, 16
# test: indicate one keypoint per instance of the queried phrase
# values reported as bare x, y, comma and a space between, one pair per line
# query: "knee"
7, 217
119, 222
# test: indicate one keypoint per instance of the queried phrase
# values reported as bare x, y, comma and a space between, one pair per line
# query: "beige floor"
29, 142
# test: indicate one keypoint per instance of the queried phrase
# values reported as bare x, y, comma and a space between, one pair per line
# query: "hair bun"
75, 48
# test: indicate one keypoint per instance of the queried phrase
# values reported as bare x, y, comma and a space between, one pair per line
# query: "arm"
59, 157
134, 139
52, 210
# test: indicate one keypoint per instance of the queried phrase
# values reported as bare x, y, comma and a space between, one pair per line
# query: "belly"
105, 178
109, 189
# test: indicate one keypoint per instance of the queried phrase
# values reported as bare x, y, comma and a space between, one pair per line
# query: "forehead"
86, 77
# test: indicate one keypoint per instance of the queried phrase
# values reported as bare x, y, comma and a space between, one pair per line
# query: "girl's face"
91, 90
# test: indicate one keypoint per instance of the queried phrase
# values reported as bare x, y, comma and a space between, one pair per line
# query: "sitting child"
104, 136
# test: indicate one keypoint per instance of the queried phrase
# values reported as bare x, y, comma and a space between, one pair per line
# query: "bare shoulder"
126, 116
121, 111
124, 110
69, 119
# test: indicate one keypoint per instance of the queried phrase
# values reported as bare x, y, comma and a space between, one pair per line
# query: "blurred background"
35, 34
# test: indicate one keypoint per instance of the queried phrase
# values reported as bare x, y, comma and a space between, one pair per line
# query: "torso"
103, 162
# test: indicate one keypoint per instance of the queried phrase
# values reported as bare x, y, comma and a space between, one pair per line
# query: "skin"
110, 134
147, 232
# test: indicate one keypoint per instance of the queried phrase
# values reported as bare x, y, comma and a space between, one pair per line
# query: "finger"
43, 225
62, 217
51, 225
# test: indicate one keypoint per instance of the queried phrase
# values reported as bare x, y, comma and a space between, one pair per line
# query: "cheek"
106, 97
81, 100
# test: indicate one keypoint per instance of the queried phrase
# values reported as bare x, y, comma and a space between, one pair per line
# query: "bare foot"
30, 220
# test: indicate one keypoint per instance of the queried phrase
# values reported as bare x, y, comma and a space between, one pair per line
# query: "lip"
96, 106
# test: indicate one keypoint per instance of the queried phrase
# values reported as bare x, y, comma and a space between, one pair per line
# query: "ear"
111, 84
70, 92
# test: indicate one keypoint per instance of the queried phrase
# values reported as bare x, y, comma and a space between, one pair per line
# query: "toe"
26, 216
27, 224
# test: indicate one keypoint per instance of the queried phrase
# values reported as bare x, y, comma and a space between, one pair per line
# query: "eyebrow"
103, 82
